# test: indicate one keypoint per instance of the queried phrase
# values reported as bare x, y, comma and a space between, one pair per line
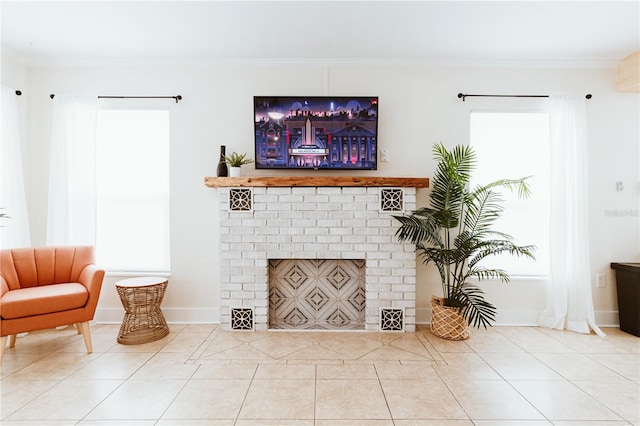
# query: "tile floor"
199, 375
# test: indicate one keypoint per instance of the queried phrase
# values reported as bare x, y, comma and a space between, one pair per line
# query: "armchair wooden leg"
78, 329
12, 340
3, 343
86, 334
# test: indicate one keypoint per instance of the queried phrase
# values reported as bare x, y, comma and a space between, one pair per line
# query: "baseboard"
607, 319
172, 315
508, 317
517, 317
423, 316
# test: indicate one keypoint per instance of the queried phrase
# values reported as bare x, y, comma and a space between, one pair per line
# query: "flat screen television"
316, 132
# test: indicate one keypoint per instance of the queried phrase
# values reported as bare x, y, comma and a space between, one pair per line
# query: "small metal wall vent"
240, 199
241, 318
391, 319
392, 200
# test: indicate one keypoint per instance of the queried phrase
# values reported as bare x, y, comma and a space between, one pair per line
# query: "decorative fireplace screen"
317, 294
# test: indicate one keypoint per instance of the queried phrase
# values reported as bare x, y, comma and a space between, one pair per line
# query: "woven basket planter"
446, 322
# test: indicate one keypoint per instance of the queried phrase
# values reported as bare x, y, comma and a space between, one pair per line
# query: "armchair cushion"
46, 299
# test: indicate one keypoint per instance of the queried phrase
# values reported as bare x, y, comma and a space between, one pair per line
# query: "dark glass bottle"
222, 171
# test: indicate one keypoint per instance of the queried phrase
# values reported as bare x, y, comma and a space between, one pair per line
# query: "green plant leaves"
237, 160
477, 311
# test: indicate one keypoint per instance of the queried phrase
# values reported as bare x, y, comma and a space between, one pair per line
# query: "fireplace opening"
317, 294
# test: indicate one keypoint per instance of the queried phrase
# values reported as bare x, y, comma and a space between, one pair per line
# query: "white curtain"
14, 230
71, 215
569, 298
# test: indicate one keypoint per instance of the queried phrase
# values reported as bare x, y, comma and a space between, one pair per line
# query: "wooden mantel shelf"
217, 182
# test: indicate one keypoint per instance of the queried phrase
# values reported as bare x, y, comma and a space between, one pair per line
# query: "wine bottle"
222, 171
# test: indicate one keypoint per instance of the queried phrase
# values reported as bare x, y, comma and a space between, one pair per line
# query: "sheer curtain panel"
71, 215
569, 297
14, 231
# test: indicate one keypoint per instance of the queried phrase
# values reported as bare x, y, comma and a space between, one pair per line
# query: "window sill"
164, 274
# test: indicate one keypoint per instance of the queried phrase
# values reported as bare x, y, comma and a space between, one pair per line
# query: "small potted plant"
455, 232
235, 161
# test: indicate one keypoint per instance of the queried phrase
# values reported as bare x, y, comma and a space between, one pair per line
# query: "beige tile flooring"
199, 375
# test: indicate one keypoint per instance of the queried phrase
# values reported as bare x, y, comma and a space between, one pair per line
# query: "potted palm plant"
235, 161
455, 233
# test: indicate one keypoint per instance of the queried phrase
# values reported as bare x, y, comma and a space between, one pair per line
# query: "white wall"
418, 106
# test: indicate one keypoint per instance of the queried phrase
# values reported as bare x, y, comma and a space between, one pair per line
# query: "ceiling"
448, 33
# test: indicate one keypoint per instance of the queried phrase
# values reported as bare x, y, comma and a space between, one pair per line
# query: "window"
132, 185
514, 145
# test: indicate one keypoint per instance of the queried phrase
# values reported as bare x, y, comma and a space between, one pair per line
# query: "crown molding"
62, 62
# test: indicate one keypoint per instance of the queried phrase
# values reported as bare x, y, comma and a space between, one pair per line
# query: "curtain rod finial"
52, 96
462, 96
588, 96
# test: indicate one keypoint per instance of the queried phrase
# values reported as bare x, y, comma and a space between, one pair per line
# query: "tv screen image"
316, 132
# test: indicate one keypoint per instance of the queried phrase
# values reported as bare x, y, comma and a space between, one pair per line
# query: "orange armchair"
46, 287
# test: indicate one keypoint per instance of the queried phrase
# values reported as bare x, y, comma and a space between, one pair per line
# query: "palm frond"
417, 228
439, 258
495, 247
482, 273
477, 311
449, 182
520, 186
483, 209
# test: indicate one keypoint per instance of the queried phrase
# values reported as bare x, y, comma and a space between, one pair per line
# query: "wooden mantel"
282, 181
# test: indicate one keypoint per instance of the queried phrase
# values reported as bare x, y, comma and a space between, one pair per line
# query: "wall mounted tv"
316, 132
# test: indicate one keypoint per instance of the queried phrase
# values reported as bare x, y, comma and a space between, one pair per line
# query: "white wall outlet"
619, 186
601, 280
384, 155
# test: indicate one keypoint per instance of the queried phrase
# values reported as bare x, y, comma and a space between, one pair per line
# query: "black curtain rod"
177, 97
464, 96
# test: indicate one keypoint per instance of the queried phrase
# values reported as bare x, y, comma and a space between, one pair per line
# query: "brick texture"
314, 223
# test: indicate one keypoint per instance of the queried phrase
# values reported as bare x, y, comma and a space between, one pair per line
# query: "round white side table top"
141, 281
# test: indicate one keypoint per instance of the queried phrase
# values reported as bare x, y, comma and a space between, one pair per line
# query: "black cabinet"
628, 285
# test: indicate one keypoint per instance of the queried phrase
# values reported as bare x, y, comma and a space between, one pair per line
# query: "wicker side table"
143, 320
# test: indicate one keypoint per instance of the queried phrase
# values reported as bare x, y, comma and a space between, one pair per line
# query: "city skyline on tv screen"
316, 132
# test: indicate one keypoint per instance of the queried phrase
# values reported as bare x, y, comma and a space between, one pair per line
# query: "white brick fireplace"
259, 224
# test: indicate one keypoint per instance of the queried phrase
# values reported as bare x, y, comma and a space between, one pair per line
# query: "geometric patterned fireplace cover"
324, 294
